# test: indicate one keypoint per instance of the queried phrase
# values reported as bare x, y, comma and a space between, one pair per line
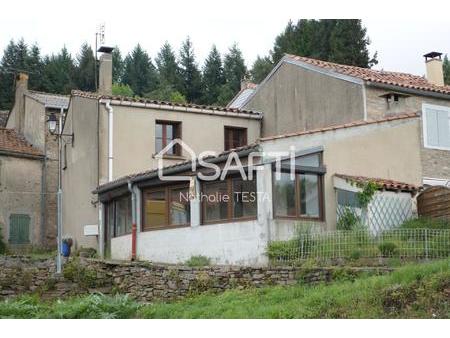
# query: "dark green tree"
139, 72
168, 69
446, 69
341, 41
85, 69
261, 67
35, 68
191, 85
8, 69
213, 78
118, 65
348, 44
59, 73
235, 71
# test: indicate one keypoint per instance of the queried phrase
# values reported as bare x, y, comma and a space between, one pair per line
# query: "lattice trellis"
384, 212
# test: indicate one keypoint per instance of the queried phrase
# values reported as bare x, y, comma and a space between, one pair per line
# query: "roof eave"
408, 90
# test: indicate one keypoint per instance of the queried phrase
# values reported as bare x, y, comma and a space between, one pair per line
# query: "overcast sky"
400, 42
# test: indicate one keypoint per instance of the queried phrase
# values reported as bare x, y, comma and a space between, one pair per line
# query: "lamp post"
55, 128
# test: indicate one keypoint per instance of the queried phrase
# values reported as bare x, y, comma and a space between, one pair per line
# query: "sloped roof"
15, 144
241, 97
384, 184
187, 106
404, 80
143, 174
343, 126
50, 100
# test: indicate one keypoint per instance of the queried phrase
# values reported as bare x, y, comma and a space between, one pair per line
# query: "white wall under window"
436, 126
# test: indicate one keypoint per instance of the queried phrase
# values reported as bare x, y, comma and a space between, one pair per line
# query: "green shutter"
19, 229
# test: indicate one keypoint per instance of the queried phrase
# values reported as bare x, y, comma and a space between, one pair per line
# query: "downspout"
133, 221
110, 140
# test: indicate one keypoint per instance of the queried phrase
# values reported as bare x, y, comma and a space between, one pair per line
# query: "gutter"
253, 116
408, 90
23, 155
110, 139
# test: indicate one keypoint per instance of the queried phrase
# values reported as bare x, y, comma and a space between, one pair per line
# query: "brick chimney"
435, 74
18, 111
105, 71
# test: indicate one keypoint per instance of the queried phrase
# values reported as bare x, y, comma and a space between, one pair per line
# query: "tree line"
177, 75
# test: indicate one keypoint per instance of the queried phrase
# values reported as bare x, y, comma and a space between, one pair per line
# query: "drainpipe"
133, 221
110, 140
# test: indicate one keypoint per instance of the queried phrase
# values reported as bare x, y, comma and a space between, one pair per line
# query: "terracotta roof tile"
384, 184
378, 76
343, 126
14, 143
163, 103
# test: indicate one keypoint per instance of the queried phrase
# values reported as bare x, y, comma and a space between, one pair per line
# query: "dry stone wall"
149, 282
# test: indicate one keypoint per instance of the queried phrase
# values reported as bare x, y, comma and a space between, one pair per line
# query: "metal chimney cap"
105, 49
432, 55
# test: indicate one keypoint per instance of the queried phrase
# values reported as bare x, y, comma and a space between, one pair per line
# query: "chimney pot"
435, 73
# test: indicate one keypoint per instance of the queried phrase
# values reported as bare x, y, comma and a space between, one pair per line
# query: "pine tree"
59, 73
212, 78
342, 41
168, 69
118, 66
139, 72
348, 44
7, 72
85, 69
35, 68
234, 69
261, 67
190, 75
446, 69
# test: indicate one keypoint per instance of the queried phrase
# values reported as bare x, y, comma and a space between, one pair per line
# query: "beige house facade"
116, 136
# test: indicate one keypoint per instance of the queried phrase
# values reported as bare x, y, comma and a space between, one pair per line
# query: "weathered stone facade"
149, 282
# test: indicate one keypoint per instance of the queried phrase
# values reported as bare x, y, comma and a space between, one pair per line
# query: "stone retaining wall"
148, 282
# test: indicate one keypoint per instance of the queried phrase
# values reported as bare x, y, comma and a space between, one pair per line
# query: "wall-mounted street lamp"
55, 128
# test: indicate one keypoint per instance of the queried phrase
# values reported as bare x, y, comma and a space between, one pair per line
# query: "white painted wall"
121, 247
240, 243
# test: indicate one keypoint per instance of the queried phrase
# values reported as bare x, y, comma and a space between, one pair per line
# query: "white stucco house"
274, 185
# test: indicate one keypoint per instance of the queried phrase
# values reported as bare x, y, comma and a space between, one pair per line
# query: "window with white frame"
436, 126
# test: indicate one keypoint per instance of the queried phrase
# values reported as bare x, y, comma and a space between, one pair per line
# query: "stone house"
302, 94
28, 119
21, 210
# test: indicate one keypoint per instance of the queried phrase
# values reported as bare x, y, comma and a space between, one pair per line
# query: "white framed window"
436, 126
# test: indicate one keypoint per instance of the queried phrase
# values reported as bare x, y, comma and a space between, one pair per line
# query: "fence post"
426, 243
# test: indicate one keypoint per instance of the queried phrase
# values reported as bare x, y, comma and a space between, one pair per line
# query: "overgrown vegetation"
413, 291
86, 277
198, 261
415, 239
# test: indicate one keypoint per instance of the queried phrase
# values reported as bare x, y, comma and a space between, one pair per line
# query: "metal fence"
400, 243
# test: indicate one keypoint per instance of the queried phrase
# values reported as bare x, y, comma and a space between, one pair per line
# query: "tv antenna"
99, 39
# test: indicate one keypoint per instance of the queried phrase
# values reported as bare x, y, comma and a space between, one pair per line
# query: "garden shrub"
388, 249
348, 220
426, 223
198, 261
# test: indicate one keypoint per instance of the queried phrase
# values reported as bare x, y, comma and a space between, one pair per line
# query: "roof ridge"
399, 79
45, 93
160, 102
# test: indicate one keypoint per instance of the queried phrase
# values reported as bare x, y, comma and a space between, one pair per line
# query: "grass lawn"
413, 291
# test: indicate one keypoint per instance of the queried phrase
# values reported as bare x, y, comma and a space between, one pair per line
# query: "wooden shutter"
19, 229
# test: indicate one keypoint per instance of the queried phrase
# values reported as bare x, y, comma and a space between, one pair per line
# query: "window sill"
233, 220
171, 157
167, 227
436, 148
